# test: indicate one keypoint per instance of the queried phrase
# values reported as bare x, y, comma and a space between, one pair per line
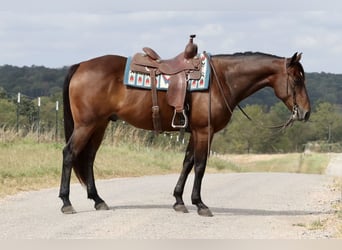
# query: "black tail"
80, 159
68, 120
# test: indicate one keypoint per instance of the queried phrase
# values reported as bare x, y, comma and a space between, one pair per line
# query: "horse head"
290, 88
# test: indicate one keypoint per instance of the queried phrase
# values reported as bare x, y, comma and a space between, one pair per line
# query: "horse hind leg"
79, 155
86, 159
75, 145
68, 160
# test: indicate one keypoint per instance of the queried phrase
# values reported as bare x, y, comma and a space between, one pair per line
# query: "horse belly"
137, 111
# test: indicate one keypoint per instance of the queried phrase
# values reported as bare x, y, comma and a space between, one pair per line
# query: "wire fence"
41, 119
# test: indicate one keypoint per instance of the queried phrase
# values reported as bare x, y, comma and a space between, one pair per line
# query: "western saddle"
187, 65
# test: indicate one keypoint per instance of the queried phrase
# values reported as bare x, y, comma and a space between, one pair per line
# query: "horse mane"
248, 53
258, 54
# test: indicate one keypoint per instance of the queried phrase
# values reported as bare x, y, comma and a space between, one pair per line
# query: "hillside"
37, 81
322, 87
32, 81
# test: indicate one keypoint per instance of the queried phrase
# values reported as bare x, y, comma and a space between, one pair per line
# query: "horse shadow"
229, 211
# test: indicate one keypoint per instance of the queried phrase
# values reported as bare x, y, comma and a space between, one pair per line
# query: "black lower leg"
179, 189
92, 194
202, 209
88, 157
65, 180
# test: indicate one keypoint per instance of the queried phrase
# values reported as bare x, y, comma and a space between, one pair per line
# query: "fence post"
56, 132
38, 119
18, 103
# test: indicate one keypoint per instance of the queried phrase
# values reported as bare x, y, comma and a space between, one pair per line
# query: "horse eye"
298, 81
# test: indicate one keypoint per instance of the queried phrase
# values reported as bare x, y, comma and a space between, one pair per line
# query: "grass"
28, 165
317, 225
291, 163
122, 161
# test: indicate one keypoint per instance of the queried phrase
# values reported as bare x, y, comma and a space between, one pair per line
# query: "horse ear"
295, 58
299, 56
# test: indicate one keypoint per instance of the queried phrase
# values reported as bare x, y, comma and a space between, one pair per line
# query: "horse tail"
68, 120
80, 172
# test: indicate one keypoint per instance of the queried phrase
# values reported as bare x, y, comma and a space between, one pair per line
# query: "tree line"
323, 132
241, 136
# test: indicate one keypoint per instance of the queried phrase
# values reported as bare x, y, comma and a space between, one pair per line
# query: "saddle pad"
139, 80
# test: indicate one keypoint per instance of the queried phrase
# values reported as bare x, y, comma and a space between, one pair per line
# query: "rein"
280, 127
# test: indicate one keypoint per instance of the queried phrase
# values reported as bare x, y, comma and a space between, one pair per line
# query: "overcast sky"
64, 32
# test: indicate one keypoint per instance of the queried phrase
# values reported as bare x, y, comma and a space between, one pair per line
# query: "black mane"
248, 53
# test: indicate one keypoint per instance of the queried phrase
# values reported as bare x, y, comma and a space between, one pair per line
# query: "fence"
41, 119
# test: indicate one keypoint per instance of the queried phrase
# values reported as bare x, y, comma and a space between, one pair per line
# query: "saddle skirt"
138, 76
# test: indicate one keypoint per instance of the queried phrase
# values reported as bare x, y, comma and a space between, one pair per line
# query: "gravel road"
245, 206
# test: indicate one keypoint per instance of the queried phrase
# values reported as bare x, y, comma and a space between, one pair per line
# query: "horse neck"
245, 75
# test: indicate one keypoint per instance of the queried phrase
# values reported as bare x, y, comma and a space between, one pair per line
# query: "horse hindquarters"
83, 142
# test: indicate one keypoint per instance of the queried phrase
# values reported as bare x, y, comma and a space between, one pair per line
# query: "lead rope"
218, 82
209, 123
209, 108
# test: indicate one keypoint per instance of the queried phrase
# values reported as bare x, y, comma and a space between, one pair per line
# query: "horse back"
97, 93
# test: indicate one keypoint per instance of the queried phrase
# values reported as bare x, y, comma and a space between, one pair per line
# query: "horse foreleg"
179, 189
65, 180
200, 162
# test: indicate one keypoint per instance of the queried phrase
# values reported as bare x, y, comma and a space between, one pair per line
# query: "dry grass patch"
28, 165
291, 163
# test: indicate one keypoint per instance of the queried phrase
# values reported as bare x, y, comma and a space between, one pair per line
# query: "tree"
242, 135
327, 122
7, 113
3, 93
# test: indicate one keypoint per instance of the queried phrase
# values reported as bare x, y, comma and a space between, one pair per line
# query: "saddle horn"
191, 48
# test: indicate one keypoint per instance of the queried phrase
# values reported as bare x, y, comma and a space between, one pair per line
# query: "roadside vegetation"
27, 164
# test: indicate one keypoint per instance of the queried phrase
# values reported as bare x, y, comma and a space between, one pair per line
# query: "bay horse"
94, 94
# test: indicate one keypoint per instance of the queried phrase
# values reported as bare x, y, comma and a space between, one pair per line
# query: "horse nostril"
307, 116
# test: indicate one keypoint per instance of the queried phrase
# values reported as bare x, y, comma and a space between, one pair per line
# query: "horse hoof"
101, 206
68, 210
205, 212
180, 208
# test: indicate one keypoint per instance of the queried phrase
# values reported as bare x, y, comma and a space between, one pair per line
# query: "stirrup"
179, 125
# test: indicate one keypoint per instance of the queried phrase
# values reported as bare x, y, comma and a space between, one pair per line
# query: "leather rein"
280, 127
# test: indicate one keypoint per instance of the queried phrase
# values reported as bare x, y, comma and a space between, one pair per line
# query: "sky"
61, 33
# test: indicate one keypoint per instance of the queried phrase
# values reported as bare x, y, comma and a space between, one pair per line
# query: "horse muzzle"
299, 114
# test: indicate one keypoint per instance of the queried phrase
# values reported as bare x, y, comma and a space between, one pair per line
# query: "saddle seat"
169, 66
143, 62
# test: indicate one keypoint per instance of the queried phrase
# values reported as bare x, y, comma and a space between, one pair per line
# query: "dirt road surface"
245, 206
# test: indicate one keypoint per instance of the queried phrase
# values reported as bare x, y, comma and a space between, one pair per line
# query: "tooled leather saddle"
185, 66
